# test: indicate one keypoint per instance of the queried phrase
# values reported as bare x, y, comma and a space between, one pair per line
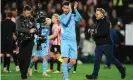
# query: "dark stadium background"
119, 14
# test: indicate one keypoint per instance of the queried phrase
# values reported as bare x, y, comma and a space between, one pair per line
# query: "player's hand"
32, 30
70, 7
75, 5
91, 34
14, 37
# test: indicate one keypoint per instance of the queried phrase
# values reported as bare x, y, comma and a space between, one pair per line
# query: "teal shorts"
39, 53
69, 49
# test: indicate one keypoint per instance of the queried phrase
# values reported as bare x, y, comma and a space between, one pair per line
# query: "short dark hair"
9, 14
13, 9
27, 7
65, 3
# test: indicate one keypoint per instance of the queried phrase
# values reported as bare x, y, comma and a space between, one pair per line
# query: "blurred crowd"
118, 12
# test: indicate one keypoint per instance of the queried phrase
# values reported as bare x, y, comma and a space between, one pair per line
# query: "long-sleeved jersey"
68, 25
45, 33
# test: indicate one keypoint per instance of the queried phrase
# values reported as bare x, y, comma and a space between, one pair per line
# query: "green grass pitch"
82, 70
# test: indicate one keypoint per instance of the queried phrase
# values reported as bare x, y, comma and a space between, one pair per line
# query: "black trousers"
24, 57
107, 50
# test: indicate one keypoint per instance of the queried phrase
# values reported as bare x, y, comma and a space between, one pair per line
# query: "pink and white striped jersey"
57, 28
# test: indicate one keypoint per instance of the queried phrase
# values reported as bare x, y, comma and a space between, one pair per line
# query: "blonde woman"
56, 41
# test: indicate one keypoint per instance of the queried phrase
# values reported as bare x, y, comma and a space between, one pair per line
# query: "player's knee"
73, 61
8, 55
35, 59
65, 60
57, 55
45, 57
51, 54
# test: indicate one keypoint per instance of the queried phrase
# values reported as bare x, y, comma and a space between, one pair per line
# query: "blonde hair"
101, 10
57, 16
47, 22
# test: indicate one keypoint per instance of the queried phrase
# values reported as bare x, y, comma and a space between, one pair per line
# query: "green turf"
110, 74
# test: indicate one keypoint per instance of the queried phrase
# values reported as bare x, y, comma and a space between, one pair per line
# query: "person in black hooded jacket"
103, 41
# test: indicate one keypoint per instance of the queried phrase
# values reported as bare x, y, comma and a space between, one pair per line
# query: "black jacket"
21, 23
24, 25
102, 33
